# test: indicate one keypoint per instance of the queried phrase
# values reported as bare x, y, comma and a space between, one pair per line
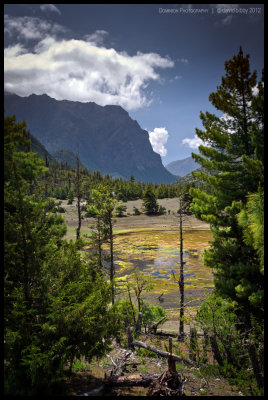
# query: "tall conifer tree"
232, 158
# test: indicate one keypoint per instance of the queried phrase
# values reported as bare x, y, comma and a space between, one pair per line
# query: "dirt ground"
132, 222
197, 383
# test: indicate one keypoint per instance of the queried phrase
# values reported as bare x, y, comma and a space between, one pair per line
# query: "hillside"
67, 156
182, 167
41, 151
106, 138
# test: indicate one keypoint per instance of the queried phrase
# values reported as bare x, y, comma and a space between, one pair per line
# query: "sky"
159, 62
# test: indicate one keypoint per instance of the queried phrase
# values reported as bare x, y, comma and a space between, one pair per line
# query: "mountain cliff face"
106, 138
182, 167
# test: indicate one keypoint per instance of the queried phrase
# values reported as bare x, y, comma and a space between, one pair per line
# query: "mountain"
106, 138
67, 156
182, 167
41, 151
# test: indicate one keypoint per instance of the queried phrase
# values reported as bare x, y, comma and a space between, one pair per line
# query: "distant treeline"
61, 180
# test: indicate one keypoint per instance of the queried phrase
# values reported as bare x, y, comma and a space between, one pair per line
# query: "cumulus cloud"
50, 8
194, 143
158, 138
78, 70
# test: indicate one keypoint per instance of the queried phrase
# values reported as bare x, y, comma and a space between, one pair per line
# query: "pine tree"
150, 204
233, 167
55, 308
101, 207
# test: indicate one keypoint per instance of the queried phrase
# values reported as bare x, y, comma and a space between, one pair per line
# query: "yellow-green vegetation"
156, 253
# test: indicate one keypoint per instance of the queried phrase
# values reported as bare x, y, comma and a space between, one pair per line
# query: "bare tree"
78, 194
183, 211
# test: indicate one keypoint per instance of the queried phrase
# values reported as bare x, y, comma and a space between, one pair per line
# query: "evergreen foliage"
233, 167
55, 307
150, 203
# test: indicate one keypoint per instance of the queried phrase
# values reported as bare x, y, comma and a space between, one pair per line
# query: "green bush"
136, 211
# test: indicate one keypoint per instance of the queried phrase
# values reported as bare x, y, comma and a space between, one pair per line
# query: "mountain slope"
41, 151
67, 156
182, 167
106, 138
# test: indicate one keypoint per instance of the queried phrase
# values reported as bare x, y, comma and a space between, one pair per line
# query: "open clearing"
130, 222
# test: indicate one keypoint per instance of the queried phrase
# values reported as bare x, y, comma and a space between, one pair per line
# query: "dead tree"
129, 338
170, 383
183, 211
161, 298
78, 194
119, 364
181, 278
132, 380
154, 327
161, 353
139, 322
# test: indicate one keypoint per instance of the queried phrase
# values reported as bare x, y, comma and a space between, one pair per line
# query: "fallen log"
132, 380
161, 352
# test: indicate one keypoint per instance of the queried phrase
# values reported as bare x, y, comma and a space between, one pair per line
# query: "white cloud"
31, 28
177, 77
194, 143
50, 8
80, 71
158, 138
183, 60
97, 37
14, 51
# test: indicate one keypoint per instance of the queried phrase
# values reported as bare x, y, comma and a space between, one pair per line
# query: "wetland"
151, 244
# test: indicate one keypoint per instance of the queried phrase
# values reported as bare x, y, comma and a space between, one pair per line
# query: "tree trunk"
99, 243
168, 384
161, 352
154, 327
255, 364
132, 380
131, 304
181, 280
215, 350
111, 256
139, 321
129, 338
171, 360
78, 193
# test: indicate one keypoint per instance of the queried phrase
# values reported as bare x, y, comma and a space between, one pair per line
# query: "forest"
63, 305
